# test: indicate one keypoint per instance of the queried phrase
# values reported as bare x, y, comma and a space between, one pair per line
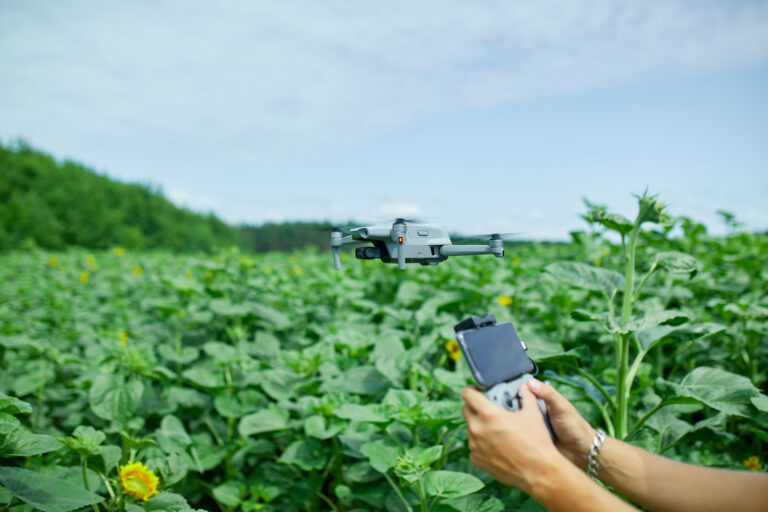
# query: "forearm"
564, 487
662, 484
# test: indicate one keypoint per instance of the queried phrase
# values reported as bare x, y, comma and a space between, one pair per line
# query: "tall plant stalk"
623, 386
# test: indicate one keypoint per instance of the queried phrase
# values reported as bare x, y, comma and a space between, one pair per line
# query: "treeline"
286, 236
55, 205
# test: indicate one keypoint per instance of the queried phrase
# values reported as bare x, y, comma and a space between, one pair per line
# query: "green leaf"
648, 338
408, 293
308, 454
44, 492
188, 354
172, 436
5, 496
266, 420
719, 389
21, 443
229, 493
656, 317
172, 468
362, 380
677, 262
272, 317
85, 440
605, 319
12, 405
475, 503
761, 402
205, 375
239, 404
382, 455
616, 222
451, 484
587, 276
8, 423
361, 472
386, 351
430, 455
167, 502
314, 426
355, 412
110, 456
113, 399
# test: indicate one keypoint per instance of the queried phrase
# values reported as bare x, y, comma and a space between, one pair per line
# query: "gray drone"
407, 241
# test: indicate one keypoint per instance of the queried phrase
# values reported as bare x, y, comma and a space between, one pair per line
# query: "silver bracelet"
594, 453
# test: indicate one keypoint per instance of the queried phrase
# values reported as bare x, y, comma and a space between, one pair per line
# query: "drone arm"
465, 250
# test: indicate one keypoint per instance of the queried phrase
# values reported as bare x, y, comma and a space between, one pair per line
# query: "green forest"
54, 205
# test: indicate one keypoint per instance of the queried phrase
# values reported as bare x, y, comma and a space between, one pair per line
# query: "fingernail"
534, 384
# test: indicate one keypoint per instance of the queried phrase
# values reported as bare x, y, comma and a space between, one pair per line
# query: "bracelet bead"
594, 453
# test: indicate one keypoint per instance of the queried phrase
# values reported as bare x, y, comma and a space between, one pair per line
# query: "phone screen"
495, 354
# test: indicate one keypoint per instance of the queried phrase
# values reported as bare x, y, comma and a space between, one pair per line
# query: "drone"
408, 241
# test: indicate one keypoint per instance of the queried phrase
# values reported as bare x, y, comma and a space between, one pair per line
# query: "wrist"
547, 475
578, 452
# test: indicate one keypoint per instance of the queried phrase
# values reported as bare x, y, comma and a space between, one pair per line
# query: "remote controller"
506, 396
497, 358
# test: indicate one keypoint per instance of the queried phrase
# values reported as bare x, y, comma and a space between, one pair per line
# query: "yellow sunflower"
138, 481
504, 301
752, 463
453, 348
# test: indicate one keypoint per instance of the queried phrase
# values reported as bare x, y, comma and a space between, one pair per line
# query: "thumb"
554, 400
528, 399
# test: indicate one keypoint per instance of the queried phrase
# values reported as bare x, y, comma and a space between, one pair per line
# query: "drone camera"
367, 253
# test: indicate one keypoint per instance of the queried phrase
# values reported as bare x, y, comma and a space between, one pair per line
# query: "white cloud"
266, 76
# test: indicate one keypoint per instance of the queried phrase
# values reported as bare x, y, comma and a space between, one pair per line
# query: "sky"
481, 116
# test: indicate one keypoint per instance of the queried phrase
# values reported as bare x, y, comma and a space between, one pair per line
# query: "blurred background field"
173, 335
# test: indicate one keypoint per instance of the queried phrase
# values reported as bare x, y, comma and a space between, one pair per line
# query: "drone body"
408, 242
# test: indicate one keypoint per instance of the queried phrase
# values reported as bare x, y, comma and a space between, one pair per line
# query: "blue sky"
481, 116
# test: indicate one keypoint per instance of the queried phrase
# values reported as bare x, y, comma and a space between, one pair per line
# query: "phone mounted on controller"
498, 360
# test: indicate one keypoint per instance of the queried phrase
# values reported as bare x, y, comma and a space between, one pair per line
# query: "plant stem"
85, 481
622, 339
653, 269
328, 501
177, 343
601, 407
397, 491
422, 496
647, 415
38, 411
600, 388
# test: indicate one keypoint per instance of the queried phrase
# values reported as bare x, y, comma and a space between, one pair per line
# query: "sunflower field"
148, 381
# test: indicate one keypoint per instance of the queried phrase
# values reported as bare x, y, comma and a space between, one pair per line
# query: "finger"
474, 399
529, 405
554, 400
468, 414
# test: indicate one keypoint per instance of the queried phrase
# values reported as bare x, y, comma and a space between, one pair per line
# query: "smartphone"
494, 353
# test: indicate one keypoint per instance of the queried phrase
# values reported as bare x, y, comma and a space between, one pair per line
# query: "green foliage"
57, 205
273, 382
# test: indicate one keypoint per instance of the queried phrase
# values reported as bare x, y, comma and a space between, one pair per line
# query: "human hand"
574, 434
514, 447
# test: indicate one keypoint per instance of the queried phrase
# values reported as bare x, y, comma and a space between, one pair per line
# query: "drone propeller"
489, 236
401, 220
